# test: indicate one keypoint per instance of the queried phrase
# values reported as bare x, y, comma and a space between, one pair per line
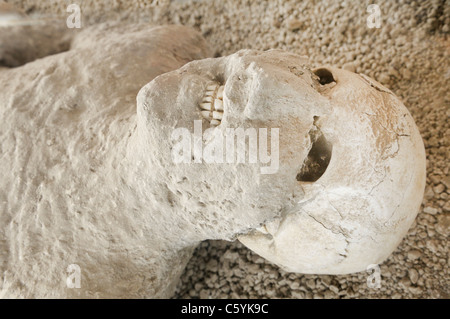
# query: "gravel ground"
409, 53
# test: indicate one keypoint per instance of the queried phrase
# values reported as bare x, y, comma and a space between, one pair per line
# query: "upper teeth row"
212, 103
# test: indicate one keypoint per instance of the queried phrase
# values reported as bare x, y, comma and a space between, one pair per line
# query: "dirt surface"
409, 53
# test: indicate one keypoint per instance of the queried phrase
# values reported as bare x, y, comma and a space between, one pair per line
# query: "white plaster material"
74, 187
87, 178
359, 210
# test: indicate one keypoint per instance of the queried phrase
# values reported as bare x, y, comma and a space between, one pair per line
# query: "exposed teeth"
212, 103
217, 115
218, 104
220, 92
206, 106
206, 114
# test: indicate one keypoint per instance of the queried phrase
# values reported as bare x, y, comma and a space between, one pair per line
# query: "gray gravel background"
410, 54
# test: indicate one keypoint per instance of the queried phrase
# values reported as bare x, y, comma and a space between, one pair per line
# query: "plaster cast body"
88, 179
71, 181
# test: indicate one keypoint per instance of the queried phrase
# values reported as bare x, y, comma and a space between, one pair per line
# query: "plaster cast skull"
89, 179
351, 160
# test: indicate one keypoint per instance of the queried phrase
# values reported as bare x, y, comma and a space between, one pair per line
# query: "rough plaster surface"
358, 211
70, 191
91, 181
418, 268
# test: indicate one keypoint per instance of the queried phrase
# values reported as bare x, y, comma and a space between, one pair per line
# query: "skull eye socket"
318, 158
325, 76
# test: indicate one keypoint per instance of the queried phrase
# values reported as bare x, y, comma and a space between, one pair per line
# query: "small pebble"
439, 189
430, 210
413, 254
350, 66
413, 275
294, 24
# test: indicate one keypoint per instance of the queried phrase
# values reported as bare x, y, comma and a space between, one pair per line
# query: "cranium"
88, 179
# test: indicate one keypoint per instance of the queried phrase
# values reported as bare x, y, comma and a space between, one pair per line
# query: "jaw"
250, 90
